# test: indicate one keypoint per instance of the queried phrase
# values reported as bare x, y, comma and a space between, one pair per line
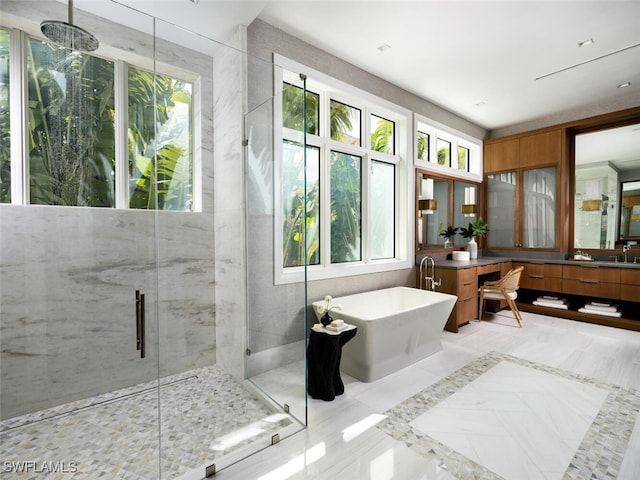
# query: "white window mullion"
325, 206
121, 134
19, 118
365, 207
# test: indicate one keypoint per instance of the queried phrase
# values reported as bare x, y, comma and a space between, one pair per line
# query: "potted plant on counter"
479, 228
448, 234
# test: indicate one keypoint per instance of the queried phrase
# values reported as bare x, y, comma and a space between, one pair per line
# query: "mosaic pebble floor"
599, 455
115, 435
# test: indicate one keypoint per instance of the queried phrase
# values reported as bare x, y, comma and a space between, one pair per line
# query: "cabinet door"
501, 156
541, 149
541, 276
539, 212
501, 209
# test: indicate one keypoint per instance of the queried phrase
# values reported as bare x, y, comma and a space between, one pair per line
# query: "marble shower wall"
68, 275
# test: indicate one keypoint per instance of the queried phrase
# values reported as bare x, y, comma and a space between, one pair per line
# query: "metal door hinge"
210, 471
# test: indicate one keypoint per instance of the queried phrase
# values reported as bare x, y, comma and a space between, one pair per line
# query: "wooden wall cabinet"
526, 151
523, 179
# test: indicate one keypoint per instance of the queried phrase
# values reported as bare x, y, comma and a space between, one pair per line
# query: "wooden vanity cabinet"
591, 281
540, 276
630, 284
463, 283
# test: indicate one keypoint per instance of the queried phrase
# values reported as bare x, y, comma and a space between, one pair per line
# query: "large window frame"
20, 179
330, 89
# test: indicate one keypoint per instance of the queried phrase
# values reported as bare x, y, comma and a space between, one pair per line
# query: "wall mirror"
605, 162
442, 202
630, 211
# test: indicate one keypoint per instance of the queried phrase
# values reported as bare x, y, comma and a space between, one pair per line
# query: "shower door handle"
140, 323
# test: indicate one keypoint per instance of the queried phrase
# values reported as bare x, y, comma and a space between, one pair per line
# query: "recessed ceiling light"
589, 41
384, 47
625, 84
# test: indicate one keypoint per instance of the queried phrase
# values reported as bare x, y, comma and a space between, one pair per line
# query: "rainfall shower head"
69, 35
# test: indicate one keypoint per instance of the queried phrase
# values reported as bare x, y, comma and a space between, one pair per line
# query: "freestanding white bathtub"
396, 327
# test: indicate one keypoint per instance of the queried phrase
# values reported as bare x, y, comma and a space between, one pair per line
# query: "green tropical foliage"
71, 131
293, 108
301, 226
423, 146
5, 128
345, 207
301, 220
382, 137
159, 149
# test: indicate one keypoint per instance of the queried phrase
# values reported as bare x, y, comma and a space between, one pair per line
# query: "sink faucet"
625, 250
431, 281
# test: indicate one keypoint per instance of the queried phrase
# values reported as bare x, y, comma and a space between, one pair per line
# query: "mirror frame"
590, 125
450, 207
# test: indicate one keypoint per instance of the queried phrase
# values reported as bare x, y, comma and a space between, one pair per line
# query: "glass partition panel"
539, 229
501, 211
279, 175
127, 313
78, 285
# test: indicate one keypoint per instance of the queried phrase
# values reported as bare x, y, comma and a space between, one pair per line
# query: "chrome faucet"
625, 251
431, 281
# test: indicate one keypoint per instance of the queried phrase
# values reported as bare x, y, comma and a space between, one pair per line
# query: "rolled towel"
337, 323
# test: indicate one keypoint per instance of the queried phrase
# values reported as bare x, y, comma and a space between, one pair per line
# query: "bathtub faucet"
431, 282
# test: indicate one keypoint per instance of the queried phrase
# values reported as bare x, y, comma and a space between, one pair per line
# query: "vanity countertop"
481, 261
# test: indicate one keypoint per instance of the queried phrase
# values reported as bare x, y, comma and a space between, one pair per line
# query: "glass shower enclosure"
130, 274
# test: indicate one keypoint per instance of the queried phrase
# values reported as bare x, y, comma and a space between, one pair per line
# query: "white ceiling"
481, 60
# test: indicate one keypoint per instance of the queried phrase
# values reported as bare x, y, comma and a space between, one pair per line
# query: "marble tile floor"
556, 399
205, 416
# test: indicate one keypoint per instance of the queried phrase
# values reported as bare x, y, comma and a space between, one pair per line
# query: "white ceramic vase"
472, 247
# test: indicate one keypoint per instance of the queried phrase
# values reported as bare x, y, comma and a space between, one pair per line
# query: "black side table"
324, 352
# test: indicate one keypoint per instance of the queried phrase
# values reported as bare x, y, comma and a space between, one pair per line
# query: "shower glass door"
277, 200
78, 271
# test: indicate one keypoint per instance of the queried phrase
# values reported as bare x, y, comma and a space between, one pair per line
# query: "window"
71, 149
72, 157
345, 123
356, 190
446, 151
5, 136
423, 146
463, 159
